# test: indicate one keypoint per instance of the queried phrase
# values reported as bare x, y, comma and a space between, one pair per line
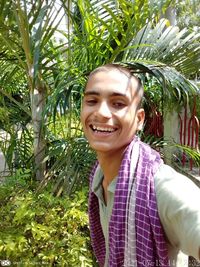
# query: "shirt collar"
97, 181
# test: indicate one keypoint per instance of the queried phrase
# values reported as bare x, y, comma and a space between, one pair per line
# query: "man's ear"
140, 118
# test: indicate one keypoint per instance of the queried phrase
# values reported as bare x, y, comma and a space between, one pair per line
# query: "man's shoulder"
167, 175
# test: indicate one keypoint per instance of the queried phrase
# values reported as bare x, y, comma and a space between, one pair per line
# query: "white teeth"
97, 128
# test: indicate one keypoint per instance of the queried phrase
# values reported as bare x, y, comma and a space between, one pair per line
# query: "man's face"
109, 116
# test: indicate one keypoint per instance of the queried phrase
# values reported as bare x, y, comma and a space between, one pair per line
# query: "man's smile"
110, 114
106, 129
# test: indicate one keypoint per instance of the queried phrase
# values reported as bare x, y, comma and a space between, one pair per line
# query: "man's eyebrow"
91, 93
118, 94
88, 93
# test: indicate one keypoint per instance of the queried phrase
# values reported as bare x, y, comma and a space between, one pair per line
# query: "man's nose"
104, 110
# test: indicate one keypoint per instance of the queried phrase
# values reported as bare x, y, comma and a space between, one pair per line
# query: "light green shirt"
105, 210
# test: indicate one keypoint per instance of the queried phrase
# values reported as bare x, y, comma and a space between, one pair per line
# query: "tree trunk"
37, 106
170, 117
171, 133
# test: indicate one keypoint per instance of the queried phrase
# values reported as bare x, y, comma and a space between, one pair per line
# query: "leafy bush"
40, 229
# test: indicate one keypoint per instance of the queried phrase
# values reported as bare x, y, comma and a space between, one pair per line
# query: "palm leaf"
175, 85
168, 45
70, 172
192, 153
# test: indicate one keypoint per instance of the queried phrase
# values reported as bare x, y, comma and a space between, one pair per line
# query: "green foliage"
42, 229
68, 165
17, 147
190, 153
97, 32
188, 13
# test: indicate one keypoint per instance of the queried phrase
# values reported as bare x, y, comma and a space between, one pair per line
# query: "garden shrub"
40, 229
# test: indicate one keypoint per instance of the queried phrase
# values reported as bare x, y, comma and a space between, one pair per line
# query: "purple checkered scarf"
150, 241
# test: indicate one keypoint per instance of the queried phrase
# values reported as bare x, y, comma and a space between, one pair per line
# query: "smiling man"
111, 115
140, 210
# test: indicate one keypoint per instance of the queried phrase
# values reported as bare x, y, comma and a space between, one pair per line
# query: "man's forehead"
119, 79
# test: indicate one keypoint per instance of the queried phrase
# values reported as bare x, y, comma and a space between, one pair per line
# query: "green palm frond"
168, 53
191, 153
167, 44
71, 162
175, 85
122, 31
105, 28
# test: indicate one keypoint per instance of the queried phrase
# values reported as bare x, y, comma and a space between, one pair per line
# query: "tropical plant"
188, 13
125, 32
69, 165
107, 34
26, 37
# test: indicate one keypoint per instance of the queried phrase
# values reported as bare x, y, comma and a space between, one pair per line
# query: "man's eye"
118, 104
91, 102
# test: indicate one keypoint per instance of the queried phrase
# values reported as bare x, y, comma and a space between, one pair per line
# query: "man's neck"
110, 164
